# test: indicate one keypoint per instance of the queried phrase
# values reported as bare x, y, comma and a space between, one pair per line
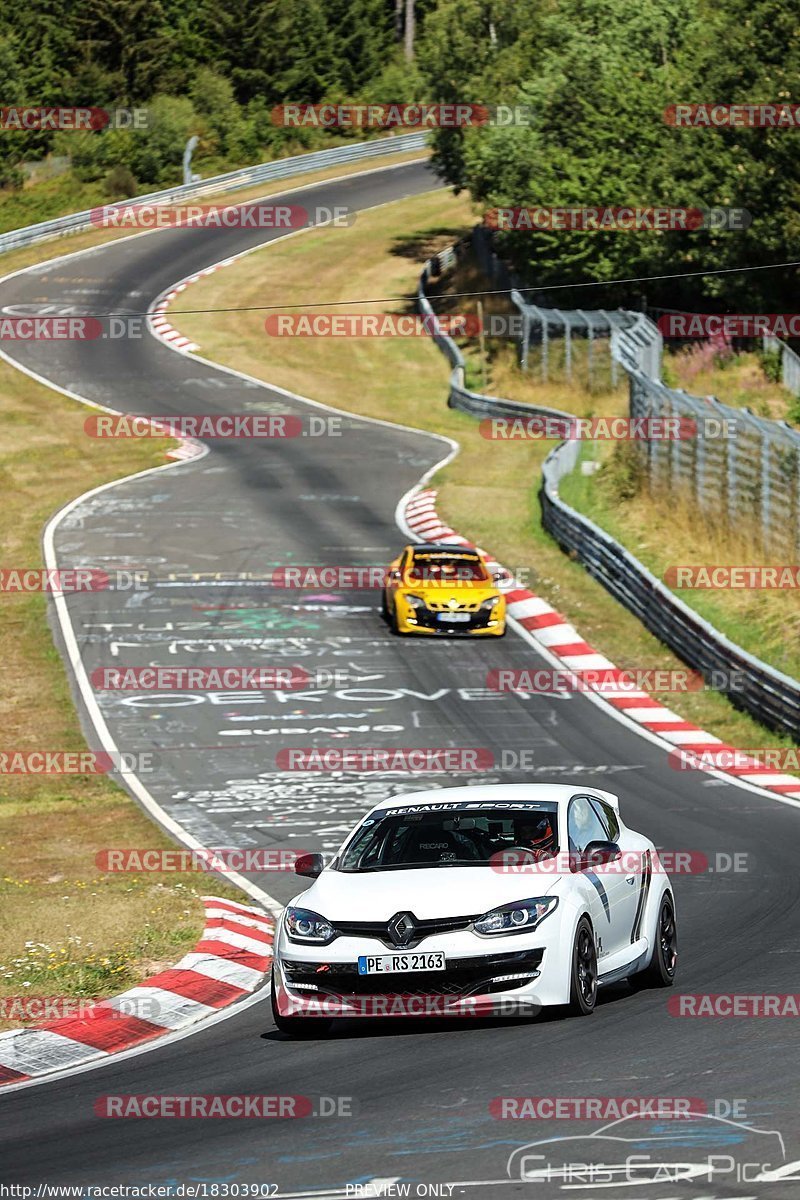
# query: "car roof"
548, 793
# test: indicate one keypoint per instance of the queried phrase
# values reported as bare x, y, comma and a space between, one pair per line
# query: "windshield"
396, 839
446, 569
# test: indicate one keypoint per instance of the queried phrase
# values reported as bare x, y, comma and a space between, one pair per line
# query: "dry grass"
739, 381
112, 927
659, 527
489, 491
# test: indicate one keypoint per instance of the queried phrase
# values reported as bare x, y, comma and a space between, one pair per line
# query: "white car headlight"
414, 601
488, 605
303, 925
519, 917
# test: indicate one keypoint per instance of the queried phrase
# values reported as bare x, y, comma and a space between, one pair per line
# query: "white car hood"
427, 893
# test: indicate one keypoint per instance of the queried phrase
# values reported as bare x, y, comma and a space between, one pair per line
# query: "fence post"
766, 487
568, 349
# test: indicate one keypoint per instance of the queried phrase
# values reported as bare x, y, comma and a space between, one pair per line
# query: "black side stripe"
647, 875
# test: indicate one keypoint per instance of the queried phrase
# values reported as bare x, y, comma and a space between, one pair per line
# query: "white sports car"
485, 900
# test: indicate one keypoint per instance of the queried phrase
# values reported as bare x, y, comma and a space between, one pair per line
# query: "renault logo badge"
402, 928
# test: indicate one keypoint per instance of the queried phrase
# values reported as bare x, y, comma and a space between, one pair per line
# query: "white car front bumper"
484, 976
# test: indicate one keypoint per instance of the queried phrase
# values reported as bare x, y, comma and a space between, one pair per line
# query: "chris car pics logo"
628, 1152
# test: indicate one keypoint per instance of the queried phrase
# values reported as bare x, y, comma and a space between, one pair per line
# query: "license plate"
387, 964
454, 617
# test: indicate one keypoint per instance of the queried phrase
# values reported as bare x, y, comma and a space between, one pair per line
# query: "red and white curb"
186, 449
228, 963
562, 641
160, 326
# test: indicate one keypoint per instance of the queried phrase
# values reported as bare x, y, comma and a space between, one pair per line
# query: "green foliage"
771, 364
599, 74
119, 183
595, 74
624, 474
196, 67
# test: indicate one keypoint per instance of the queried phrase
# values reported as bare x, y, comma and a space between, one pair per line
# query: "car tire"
394, 624
583, 972
384, 607
298, 1027
660, 971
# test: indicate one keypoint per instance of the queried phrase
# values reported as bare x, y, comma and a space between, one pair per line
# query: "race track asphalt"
207, 532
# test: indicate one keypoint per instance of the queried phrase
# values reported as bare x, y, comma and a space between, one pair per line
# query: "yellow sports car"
443, 590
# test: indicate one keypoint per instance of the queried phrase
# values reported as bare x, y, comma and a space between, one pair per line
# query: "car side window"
583, 825
608, 818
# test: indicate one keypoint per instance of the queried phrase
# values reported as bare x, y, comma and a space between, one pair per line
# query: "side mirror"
310, 865
598, 853
395, 574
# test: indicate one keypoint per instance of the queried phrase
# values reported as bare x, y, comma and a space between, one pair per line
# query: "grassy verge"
66, 928
658, 529
489, 491
746, 380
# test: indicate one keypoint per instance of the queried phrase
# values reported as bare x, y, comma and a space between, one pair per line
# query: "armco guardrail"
752, 478
282, 168
769, 695
474, 403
